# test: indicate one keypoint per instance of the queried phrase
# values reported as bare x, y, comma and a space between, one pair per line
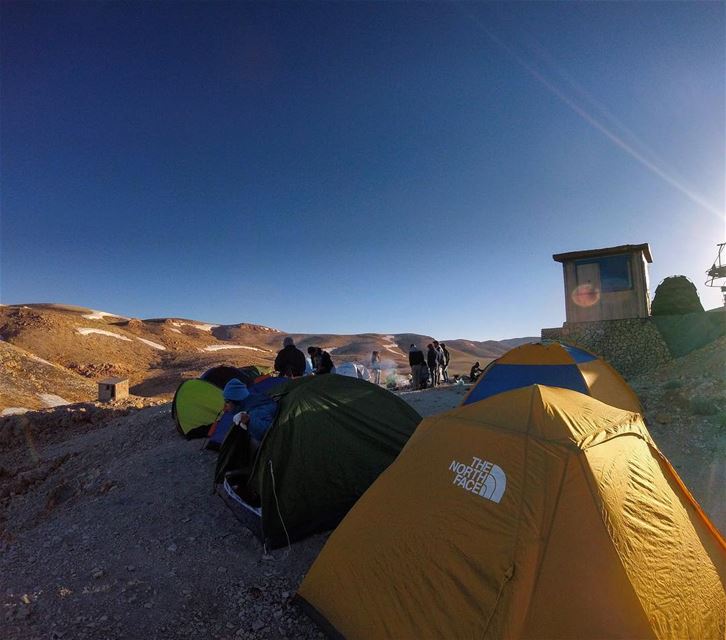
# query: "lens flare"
586, 295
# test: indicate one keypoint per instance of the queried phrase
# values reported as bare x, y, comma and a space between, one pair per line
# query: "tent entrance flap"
235, 496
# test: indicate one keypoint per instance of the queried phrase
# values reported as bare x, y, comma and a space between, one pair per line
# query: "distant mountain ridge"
157, 354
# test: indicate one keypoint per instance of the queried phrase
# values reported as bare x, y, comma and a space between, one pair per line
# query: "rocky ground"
113, 533
108, 528
685, 408
27, 380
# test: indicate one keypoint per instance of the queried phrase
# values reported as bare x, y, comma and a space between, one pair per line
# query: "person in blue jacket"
256, 411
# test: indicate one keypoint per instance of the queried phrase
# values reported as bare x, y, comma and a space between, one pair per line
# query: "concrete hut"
113, 389
606, 284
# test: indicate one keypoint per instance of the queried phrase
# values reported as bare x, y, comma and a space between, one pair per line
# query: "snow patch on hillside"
391, 345
38, 359
85, 331
196, 325
219, 347
99, 315
155, 345
13, 411
52, 400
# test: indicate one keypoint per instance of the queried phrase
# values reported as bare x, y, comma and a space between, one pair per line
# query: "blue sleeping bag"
224, 423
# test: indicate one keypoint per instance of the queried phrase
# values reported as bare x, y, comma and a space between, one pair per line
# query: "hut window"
614, 271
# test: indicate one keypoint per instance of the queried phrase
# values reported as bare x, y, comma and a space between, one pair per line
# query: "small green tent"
331, 438
196, 405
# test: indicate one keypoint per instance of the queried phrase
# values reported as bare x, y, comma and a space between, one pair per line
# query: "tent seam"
543, 552
508, 575
592, 445
590, 480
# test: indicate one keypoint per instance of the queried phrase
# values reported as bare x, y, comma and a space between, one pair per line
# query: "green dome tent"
196, 405
331, 438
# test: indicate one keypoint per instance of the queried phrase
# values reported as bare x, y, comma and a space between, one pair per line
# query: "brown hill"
157, 354
28, 381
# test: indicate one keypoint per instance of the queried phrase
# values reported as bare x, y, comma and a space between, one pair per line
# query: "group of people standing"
291, 363
431, 369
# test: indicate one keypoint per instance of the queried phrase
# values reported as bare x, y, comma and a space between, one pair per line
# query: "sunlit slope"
157, 354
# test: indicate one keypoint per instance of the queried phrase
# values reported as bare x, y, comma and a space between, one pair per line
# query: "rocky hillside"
685, 405
79, 347
30, 381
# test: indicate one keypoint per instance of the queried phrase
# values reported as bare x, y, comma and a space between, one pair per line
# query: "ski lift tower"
718, 272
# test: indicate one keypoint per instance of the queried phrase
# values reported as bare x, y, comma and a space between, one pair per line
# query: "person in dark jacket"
326, 363
439, 361
447, 358
432, 359
290, 361
417, 362
314, 357
322, 362
475, 372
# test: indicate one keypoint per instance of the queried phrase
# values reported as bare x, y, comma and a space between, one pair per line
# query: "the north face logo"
480, 477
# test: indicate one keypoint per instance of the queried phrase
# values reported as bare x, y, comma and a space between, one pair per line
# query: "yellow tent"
555, 364
536, 513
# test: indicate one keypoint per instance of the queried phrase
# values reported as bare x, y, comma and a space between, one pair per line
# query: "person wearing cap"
290, 361
235, 392
255, 411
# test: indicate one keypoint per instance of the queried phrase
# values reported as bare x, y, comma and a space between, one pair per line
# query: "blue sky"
354, 167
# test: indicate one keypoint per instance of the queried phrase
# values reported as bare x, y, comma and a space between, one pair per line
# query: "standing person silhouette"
376, 367
439, 361
417, 362
290, 361
447, 359
432, 360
